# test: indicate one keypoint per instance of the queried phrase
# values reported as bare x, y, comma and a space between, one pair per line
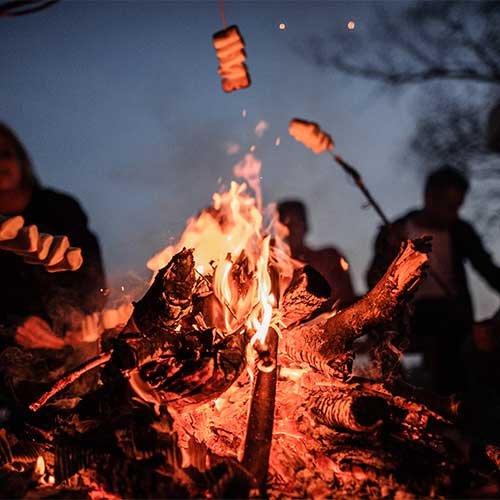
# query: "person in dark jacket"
443, 316
37, 307
328, 261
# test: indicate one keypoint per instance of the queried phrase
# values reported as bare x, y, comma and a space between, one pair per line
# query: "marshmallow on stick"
53, 252
311, 135
25, 241
230, 50
10, 226
71, 261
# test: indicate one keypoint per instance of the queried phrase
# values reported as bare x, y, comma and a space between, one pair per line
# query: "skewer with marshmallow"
53, 252
230, 50
311, 135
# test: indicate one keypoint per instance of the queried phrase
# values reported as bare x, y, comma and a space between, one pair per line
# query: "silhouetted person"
328, 261
33, 302
443, 315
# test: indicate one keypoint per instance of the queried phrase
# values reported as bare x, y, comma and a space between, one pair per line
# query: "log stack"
170, 415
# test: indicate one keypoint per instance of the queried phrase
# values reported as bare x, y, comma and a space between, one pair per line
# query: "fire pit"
233, 378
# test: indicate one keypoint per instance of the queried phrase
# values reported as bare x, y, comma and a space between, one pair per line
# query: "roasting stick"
222, 15
52, 252
356, 176
311, 135
109, 318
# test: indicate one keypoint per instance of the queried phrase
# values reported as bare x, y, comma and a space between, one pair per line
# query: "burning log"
170, 296
322, 342
349, 411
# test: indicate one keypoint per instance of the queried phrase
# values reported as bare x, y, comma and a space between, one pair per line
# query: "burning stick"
259, 433
69, 379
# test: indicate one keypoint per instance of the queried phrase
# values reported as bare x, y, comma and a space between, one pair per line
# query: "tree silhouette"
451, 50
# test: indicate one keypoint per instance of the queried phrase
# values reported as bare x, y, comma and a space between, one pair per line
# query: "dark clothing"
30, 290
466, 246
440, 326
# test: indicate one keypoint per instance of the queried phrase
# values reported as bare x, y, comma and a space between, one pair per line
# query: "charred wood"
169, 297
322, 342
353, 412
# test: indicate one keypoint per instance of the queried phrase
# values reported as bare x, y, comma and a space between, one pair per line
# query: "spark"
282, 26
232, 149
252, 148
122, 288
261, 127
351, 25
244, 113
278, 141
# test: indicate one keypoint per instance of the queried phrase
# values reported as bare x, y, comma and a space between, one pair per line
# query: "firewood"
322, 342
169, 297
351, 411
307, 294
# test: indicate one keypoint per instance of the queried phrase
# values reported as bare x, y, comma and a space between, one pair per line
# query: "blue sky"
119, 103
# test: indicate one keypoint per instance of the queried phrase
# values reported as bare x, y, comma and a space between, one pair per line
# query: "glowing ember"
351, 25
282, 26
260, 128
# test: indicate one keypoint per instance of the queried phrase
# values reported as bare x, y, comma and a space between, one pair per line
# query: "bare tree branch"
16, 8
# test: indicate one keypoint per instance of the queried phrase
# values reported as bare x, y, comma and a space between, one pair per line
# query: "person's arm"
480, 258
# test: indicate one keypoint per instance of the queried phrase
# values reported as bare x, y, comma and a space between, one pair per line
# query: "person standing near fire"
442, 319
328, 261
33, 302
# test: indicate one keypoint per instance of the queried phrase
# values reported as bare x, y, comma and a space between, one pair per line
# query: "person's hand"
89, 330
35, 333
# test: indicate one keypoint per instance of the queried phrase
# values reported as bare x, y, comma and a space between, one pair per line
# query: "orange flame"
233, 252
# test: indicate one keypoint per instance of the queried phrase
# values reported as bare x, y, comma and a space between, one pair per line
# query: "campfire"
233, 378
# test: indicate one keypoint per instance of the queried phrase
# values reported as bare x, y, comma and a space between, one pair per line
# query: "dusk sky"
120, 104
